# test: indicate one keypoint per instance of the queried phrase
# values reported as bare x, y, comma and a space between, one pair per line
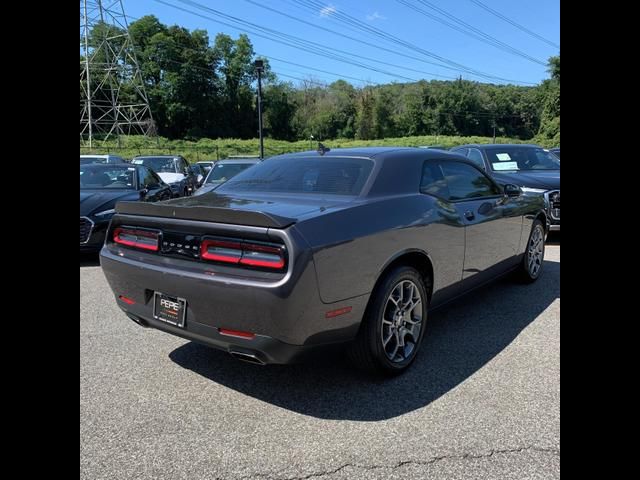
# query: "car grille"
86, 226
554, 204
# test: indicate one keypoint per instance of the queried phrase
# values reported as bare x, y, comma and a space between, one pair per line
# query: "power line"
316, 69
314, 5
345, 36
295, 42
337, 58
291, 63
309, 45
515, 24
469, 30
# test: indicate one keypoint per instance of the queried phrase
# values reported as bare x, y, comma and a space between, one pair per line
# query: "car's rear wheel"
533, 260
393, 325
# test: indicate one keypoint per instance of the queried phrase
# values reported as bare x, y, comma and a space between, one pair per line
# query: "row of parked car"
108, 179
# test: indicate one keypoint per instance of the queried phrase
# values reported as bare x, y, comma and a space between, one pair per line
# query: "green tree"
279, 110
365, 126
550, 119
238, 76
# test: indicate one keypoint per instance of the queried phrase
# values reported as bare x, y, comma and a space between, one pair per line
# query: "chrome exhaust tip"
246, 357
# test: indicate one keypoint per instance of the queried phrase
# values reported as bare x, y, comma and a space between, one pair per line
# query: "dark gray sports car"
303, 251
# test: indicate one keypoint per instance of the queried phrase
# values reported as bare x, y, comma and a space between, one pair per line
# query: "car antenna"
322, 149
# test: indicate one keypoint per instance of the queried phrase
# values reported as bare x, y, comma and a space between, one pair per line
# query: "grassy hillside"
206, 149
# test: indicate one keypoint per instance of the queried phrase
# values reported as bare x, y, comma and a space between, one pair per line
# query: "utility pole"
494, 129
259, 64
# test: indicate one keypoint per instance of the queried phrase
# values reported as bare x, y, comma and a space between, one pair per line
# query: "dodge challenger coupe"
303, 251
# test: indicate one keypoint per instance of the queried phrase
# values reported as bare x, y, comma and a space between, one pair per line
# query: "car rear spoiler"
205, 214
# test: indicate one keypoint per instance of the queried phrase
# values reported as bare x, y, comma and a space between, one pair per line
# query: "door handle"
469, 215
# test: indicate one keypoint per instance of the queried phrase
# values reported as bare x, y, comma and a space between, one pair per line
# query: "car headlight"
104, 213
532, 190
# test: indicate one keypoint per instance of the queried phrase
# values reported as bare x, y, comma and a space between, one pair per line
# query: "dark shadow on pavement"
553, 238
89, 260
461, 338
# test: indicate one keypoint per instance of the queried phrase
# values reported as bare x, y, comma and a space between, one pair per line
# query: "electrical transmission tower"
112, 95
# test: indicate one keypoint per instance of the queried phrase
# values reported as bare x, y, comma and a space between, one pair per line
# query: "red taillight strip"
249, 254
265, 257
236, 333
138, 234
225, 251
126, 300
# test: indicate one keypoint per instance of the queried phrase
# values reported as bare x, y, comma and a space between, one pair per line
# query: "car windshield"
222, 172
521, 158
157, 164
333, 175
106, 177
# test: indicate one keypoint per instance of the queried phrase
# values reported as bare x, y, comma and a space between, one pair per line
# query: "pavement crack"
464, 456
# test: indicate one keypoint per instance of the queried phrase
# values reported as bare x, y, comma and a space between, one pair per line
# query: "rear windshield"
224, 171
157, 164
339, 176
98, 177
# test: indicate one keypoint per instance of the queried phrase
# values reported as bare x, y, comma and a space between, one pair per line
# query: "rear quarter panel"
351, 247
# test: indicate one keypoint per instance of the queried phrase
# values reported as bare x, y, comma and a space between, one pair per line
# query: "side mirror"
511, 190
144, 191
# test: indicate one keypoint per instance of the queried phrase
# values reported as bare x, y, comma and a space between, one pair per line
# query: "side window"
433, 181
475, 156
465, 182
148, 178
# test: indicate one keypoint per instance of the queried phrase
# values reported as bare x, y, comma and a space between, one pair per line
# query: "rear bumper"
288, 318
260, 350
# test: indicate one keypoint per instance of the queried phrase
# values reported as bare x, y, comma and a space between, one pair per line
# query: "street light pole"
259, 64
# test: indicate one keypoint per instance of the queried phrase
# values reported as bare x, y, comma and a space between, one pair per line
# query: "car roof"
157, 156
497, 146
238, 160
109, 165
99, 155
376, 152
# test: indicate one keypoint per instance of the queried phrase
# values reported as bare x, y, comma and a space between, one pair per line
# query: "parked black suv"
528, 166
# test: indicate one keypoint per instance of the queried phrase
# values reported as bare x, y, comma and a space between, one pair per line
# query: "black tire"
527, 273
367, 351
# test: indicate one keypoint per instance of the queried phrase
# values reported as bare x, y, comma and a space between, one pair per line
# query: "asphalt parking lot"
481, 401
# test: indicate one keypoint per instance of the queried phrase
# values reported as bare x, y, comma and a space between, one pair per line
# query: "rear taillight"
262, 256
133, 237
244, 253
221, 251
